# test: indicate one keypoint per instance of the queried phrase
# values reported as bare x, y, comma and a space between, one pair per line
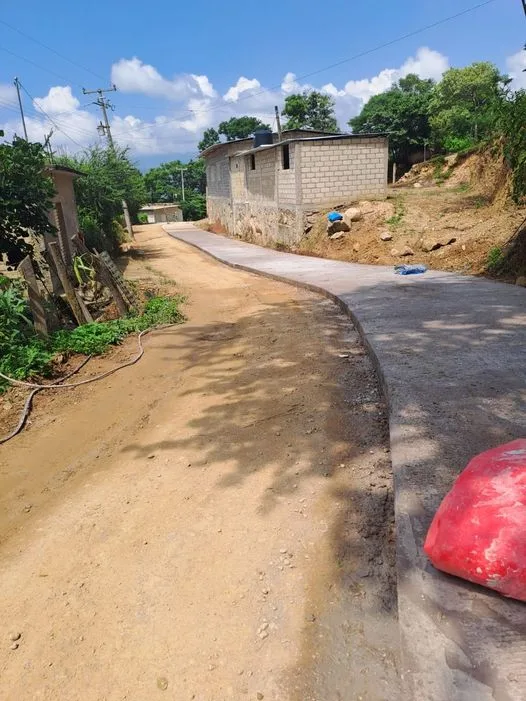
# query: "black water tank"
262, 137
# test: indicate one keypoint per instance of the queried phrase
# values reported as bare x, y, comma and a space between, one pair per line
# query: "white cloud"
195, 105
7, 93
290, 85
516, 66
72, 127
243, 85
59, 99
205, 86
134, 76
427, 64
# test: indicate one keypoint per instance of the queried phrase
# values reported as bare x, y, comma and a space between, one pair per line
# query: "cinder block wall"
218, 190
264, 198
342, 170
287, 178
267, 204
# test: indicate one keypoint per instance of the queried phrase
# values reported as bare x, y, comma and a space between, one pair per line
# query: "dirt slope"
213, 523
463, 200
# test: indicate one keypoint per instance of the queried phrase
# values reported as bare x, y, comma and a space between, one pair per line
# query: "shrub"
456, 144
23, 354
494, 258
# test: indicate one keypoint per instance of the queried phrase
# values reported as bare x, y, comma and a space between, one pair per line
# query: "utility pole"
278, 120
105, 130
47, 144
17, 86
182, 182
104, 104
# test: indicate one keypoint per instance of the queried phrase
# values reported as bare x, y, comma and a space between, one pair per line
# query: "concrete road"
451, 354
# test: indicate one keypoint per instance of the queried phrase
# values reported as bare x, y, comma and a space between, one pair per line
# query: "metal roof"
63, 169
214, 147
332, 137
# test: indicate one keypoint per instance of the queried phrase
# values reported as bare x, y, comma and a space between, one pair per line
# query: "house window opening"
285, 157
252, 162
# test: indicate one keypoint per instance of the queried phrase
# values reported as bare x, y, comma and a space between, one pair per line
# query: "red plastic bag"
479, 531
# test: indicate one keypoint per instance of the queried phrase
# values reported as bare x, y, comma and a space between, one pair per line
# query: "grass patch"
23, 354
398, 215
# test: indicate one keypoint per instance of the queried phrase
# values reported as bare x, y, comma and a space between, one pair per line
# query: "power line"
37, 65
50, 119
398, 39
17, 86
214, 107
367, 52
49, 48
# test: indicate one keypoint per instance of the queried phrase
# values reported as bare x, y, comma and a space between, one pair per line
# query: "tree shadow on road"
290, 391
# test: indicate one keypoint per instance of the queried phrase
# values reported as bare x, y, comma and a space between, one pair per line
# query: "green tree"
465, 103
310, 110
210, 137
402, 111
194, 207
240, 127
109, 177
511, 124
163, 183
26, 193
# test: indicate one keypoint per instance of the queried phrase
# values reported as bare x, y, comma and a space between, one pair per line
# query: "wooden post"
394, 172
63, 238
36, 301
77, 305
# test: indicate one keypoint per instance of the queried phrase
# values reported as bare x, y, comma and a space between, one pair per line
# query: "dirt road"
212, 523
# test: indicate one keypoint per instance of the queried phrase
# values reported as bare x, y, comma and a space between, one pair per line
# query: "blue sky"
181, 67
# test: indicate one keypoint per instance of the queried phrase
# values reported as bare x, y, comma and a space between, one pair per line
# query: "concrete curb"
450, 352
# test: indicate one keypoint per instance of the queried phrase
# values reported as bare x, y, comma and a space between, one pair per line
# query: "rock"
417, 185
353, 214
394, 252
356, 247
386, 236
260, 696
263, 634
406, 251
162, 683
335, 226
338, 235
428, 246
434, 244
14, 636
521, 281
14, 646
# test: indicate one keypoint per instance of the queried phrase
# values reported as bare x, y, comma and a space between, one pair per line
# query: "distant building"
267, 191
162, 213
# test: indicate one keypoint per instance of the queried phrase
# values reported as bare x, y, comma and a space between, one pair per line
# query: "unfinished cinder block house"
266, 190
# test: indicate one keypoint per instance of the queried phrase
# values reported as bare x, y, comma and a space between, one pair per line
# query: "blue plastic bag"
406, 269
334, 216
